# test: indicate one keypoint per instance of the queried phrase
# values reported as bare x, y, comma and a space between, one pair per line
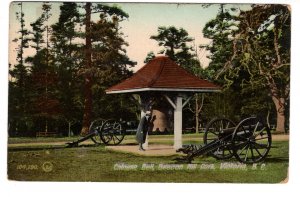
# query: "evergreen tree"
68, 58
220, 30
149, 57
18, 100
175, 45
95, 42
110, 65
43, 78
37, 31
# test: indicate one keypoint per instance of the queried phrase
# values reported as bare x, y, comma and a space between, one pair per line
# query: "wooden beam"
170, 101
186, 101
138, 90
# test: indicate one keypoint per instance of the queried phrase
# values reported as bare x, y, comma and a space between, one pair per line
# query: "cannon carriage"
249, 141
108, 132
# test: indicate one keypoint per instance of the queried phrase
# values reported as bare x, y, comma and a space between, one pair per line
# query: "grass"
17, 140
90, 163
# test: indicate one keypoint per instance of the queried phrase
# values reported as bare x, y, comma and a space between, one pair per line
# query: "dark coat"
143, 129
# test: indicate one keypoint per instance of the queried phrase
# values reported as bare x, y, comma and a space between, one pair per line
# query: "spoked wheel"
216, 129
95, 127
251, 141
112, 132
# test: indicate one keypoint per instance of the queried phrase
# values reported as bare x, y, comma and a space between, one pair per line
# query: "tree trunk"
197, 114
88, 64
280, 108
198, 108
69, 129
268, 118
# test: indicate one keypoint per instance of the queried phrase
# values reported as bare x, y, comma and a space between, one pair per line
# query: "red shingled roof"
163, 74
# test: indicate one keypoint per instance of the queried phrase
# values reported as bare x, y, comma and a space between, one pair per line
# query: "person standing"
143, 128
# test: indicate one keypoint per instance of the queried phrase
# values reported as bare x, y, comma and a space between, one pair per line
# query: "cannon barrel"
248, 127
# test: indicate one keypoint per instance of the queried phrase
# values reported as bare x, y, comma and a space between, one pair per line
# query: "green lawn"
90, 163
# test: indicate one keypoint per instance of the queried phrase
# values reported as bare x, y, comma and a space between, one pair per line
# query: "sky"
144, 20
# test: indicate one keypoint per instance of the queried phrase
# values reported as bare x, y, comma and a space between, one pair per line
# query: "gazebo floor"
152, 150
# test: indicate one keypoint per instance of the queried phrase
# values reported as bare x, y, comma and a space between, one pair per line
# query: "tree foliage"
220, 30
18, 86
57, 73
104, 52
149, 57
61, 86
175, 43
258, 60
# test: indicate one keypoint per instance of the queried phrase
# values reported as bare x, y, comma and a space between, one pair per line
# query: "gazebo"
163, 77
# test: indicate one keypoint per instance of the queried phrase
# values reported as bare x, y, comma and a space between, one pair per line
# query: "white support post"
178, 123
177, 119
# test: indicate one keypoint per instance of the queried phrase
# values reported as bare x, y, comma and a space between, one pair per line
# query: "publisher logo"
47, 166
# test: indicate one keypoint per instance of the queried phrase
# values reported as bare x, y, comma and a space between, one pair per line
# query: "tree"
45, 106
43, 78
262, 48
110, 66
149, 57
86, 121
37, 31
220, 30
55, 78
117, 14
175, 44
18, 85
67, 59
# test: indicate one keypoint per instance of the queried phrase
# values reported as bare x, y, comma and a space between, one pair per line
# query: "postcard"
149, 92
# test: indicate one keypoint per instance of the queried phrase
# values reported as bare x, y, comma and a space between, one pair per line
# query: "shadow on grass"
277, 160
127, 144
17, 149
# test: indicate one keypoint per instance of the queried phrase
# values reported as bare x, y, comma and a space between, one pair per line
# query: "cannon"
109, 132
249, 141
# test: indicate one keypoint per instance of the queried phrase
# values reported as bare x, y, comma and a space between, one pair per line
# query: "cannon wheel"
95, 128
112, 132
213, 131
251, 141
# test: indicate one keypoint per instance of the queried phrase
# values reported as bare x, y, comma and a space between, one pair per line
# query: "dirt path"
167, 150
152, 150
280, 137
